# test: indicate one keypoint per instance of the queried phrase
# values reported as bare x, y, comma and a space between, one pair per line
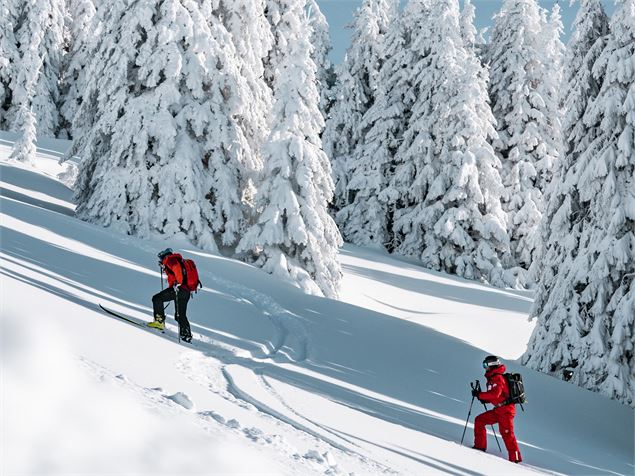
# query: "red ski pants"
504, 416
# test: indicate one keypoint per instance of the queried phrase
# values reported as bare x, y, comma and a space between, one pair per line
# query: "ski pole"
176, 310
494, 430
467, 419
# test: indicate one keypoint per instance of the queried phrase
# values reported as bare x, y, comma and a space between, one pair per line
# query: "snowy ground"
276, 382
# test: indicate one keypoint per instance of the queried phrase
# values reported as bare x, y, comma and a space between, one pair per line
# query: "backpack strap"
183, 271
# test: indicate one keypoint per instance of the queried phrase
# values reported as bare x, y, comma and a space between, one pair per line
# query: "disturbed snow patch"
181, 399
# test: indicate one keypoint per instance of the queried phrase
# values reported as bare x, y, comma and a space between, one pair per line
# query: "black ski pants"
181, 297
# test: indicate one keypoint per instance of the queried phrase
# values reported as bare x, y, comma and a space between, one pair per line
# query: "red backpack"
190, 275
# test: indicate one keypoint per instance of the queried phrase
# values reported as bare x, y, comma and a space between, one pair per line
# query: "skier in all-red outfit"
503, 413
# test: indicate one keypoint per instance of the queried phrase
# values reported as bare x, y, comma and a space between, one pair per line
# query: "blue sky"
339, 13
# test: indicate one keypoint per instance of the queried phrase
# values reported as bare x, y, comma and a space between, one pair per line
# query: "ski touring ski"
127, 319
144, 325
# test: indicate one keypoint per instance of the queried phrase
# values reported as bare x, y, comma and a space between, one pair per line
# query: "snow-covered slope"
276, 381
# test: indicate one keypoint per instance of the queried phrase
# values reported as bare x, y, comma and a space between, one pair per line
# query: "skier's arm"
494, 391
171, 277
173, 271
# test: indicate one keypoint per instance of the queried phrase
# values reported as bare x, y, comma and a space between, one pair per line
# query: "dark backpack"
190, 275
516, 389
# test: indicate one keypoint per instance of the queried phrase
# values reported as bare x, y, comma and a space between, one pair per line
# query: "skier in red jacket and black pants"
177, 290
503, 413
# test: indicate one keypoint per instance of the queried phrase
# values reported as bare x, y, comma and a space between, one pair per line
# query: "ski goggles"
487, 365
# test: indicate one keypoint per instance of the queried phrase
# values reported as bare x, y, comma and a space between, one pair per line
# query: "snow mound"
181, 399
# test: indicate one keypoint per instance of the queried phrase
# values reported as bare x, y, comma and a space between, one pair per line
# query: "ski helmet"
164, 253
491, 361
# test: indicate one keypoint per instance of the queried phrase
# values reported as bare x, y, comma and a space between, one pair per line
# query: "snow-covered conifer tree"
468, 30
24, 148
25, 123
518, 91
273, 15
447, 178
355, 91
590, 25
83, 32
372, 195
321, 42
251, 35
550, 87
163, 153
9, 58
581, 87
554, 49
585, 318
295, 237
39, 33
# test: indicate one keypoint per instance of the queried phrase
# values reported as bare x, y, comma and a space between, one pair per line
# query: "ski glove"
476, 393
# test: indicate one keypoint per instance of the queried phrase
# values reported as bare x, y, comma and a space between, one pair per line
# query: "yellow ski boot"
158, 323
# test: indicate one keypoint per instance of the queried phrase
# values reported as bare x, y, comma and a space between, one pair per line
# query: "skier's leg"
506, 427
480, 434
157, 305
184, 324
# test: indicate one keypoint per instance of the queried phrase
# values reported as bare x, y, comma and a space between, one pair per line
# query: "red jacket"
173, 265
497, 389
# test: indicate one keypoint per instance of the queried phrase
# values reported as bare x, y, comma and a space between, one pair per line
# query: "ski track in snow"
157, 401
284, 414
292, 339
235, 379
233, 374
279, 397
292, 335
225, 379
